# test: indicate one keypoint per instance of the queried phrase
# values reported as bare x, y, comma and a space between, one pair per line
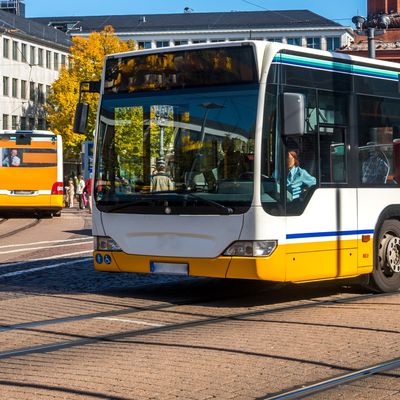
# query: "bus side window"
333, 119
333, 155
378, 132
375, 164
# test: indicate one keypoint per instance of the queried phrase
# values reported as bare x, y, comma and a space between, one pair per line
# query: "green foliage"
85, 64
132, 131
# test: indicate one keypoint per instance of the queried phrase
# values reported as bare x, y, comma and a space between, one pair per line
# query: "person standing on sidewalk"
88, 190
71, 193
79, 192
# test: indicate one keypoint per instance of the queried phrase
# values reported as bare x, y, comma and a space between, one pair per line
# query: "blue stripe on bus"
326, 234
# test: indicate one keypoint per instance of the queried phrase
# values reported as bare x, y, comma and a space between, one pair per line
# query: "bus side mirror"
293, 114
81, 117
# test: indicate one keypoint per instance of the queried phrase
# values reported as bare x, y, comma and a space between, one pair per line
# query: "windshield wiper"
160, 197
189, 193
127, 204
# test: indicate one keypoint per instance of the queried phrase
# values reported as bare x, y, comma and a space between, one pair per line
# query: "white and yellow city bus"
31, 172
219, 121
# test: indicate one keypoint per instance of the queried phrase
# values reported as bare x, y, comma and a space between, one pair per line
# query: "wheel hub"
393, 253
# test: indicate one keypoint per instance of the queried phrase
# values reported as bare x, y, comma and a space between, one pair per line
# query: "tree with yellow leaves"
86, 64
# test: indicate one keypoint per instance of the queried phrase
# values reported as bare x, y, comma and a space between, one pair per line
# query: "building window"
40, 57
162, 43
23, 123
314, 43
180, 42
333, 43
31, 123
199, 41
14, 87
6, 48
14, 122
33, 55
32, 91
296, 41
275, 39
235, 39
144, 45
5, 121
23, 89
217, 40
63, 60
56, 63
15, 50
24, 52
48, 59
48, 88
40, 94
41, 123
5, 86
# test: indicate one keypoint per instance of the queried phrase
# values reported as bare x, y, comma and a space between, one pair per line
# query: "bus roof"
262, 45
26, 132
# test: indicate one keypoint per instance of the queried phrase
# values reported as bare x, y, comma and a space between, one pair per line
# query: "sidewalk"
75, 210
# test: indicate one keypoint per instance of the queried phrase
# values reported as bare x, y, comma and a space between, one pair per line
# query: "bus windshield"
182, 150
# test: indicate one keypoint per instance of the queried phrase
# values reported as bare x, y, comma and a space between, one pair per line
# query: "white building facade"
31, 59
323, 39
298, 27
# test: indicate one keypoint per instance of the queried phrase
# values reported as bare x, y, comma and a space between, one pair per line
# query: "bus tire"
386, 274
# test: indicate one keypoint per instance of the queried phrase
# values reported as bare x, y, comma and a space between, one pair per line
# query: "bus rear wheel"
386, 274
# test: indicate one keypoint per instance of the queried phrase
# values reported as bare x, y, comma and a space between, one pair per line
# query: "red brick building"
382, 14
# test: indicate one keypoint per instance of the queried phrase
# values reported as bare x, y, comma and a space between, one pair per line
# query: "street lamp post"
160, 117
371, 42
364, 29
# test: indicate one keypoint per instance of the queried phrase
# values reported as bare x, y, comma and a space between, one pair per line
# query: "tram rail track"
334, 382
20, 229
83, 340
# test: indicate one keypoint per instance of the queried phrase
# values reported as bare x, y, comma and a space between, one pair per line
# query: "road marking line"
43, 242
44, 258
131, 321
45, 247
28, 271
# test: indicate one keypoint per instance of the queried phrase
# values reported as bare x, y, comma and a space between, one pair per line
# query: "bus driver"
298, 179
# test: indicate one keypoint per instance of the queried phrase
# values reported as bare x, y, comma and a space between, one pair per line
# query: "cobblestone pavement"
156, 337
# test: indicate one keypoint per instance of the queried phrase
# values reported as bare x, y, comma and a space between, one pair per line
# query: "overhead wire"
286, 16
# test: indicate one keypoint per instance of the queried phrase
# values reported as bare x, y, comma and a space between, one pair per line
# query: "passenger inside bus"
12, 159
375, 169
298, 179
161, 180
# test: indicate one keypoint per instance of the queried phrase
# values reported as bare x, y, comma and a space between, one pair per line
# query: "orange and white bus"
31, 172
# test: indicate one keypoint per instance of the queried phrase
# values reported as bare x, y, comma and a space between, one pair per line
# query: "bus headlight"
256, 248
105, 243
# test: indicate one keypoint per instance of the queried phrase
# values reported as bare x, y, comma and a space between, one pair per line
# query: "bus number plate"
169, 268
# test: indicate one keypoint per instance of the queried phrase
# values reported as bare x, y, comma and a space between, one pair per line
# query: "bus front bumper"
262, 268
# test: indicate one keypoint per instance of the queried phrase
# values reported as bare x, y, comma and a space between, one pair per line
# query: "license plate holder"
164, 268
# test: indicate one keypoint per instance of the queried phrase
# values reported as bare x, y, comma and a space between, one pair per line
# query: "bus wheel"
386, 273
